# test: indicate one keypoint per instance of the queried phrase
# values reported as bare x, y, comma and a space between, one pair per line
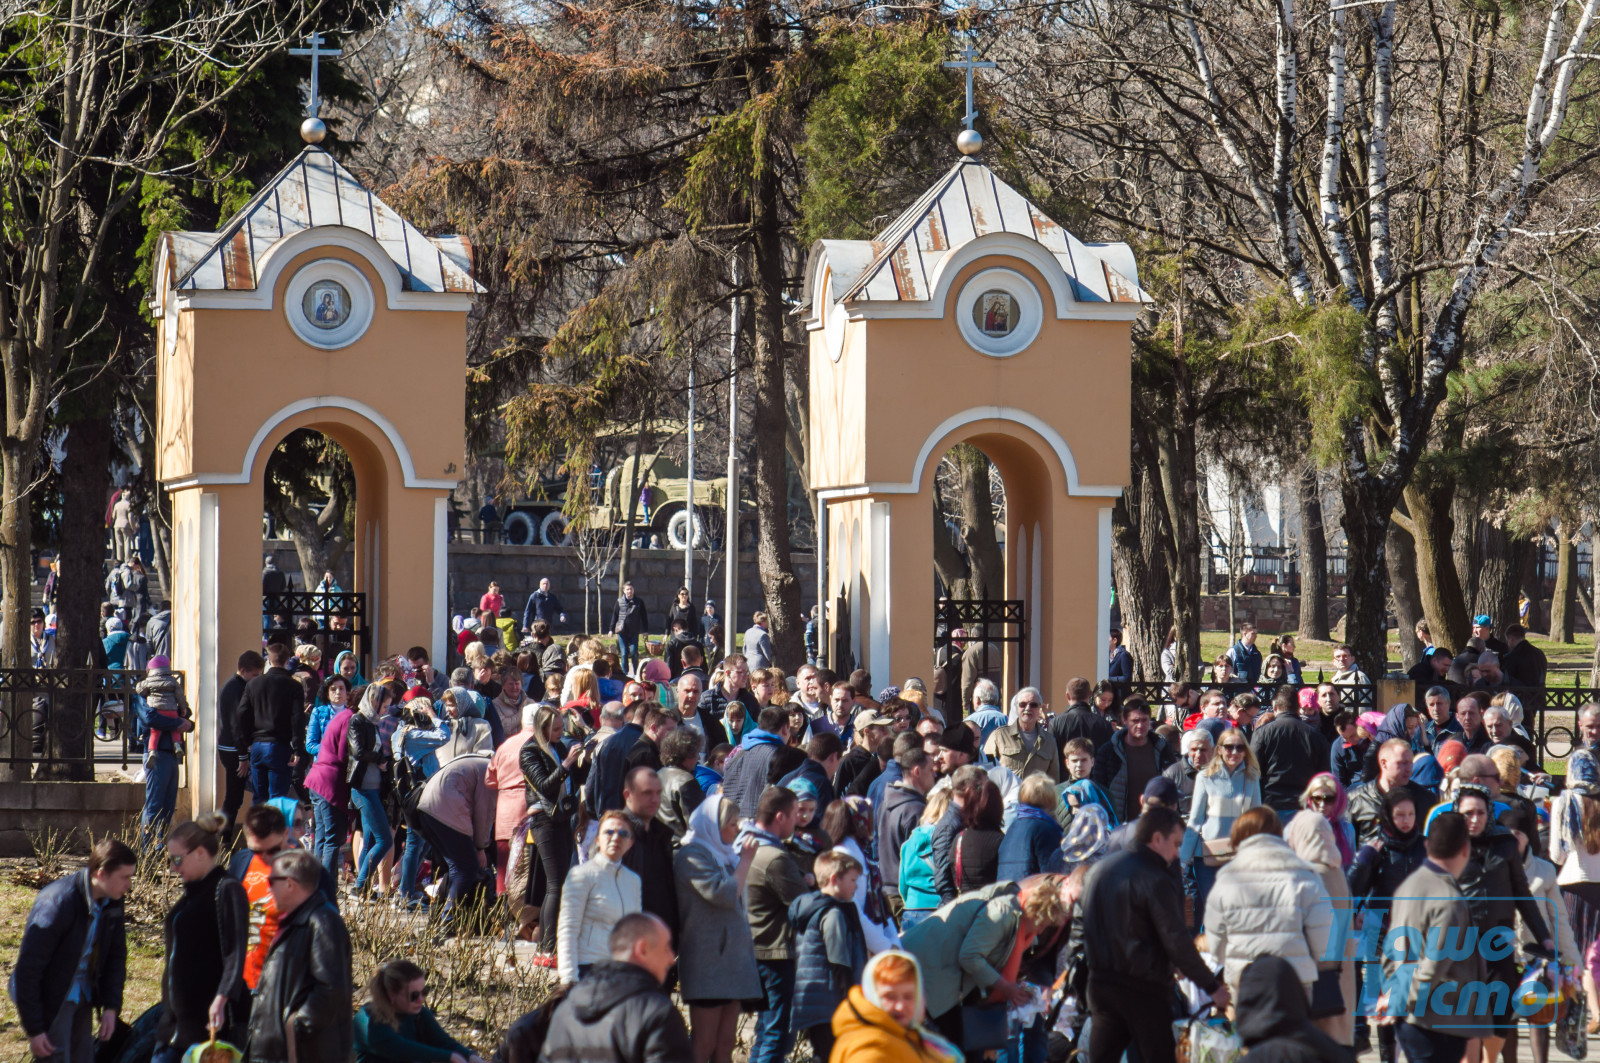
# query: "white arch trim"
317, 402
998, 413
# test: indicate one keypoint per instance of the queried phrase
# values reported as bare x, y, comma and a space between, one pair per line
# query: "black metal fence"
72, 718
1549, 713
995, 626
340, 616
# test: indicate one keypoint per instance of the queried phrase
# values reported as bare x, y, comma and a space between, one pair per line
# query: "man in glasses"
266, 836
301, 1012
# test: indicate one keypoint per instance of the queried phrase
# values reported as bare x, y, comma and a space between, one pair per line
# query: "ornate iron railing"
341, 618
72, 718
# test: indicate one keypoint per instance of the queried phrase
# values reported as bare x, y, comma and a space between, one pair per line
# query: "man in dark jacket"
646, 752
230, 732
1394, 772
1274, 1019
269, 707
680, 640
1290, 751
746, 774
629, 620
74, 957
1119, 666
650, 856
1133, 938
859, 765
552, 658
543, 605
1080, 720
304, 992
1134, 756
823, 754
603, 792
903, 804
619, 1010
1244, 655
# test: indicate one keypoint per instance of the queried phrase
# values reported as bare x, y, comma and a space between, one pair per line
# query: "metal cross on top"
969, 62
316, 51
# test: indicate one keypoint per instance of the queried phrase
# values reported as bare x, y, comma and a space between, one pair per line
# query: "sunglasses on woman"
418, 994
1233, 747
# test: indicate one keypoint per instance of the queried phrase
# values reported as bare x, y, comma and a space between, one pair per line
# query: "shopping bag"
1202, 1040
1571, 1037
212, 1051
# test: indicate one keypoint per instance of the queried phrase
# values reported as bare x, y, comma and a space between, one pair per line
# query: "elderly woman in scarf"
882, 1019
716, 953
1312, 839
467, 711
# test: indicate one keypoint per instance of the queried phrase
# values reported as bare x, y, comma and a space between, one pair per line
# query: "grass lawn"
1567, 658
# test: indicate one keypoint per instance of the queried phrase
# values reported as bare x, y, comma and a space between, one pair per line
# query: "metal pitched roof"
314, 190
969, 201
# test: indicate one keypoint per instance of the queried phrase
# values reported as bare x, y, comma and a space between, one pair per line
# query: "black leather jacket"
304, 990
1133, 924
1496, 885
365, 749
1366, 801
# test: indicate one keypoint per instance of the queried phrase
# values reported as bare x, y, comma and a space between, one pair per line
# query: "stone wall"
1270, 612
83, 810
656, 576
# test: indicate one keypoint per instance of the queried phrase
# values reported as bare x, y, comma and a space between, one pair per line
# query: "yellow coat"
864, 1033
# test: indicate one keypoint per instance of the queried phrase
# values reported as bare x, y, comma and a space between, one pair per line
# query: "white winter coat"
597, 893
1268, 902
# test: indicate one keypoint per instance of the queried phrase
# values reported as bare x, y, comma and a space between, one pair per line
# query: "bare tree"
92, 93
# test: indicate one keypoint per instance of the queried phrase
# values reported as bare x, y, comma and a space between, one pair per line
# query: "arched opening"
323, 489
974, 639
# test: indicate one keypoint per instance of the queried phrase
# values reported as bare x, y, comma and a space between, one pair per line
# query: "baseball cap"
1162, 789
872, 718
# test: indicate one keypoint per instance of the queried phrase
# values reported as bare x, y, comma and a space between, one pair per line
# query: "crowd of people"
884, 873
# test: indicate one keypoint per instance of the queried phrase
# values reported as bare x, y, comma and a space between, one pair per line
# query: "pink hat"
1308, 697
160, 661
656, 670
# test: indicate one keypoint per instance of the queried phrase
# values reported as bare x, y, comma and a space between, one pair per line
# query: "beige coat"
1006, 746
1429, 900
1310, 835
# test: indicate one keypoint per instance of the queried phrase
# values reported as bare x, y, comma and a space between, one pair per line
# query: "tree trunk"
1313, 558
1367, 505
948, 563
1139, 570
1562, 599
85, 484
16, 578
1438, 582
1594, 589
778, 581
987, 562
1179, 471
631, 508
319, 539
1401, 558
1464, 548
1500, 558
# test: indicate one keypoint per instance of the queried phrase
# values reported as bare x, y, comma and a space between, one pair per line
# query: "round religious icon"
995, 313
326, 304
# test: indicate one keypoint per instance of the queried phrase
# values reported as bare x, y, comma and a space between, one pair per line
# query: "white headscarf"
869, 984
705, 828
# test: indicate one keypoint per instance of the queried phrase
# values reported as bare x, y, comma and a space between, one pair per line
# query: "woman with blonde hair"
547, 766
597, 893
396, 1026
1228, 786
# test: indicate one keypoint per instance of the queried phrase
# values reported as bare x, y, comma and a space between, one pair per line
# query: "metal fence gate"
340, 618
995, 631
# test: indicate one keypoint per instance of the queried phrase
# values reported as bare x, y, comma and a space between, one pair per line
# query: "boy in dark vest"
830, 948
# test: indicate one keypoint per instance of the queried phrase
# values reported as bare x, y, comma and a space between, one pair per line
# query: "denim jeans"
1030, 1046
376, 837
411, 858
160, 793
774, 1038
1204, 878
331, 823
269, 770
628, 652
910, 917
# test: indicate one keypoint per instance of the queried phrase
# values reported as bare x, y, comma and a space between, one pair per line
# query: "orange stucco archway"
316, 307
907, 360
